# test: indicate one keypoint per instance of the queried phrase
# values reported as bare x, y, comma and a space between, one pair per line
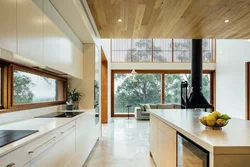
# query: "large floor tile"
124, 143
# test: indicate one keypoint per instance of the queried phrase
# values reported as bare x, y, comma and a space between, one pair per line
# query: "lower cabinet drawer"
39, 146
13, 159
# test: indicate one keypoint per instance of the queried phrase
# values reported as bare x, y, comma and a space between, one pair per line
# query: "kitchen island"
172, 129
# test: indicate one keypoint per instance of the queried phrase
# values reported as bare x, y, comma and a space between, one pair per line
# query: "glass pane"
142, 44
121, 50
141, 56
147, 90
121, 44
31, 88
207, 50
121, 56
173, 89
182, 50
162, 50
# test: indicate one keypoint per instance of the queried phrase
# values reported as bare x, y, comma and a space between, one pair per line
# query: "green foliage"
173, 84
145, 90
75, 96
22, 92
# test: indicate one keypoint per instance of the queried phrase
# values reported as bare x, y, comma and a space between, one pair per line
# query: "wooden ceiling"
172, 18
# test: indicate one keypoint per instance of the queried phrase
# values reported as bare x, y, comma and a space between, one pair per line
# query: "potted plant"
75, 98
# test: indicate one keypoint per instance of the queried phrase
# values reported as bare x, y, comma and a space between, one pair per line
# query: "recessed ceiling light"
119, 20
248, 40
226, 21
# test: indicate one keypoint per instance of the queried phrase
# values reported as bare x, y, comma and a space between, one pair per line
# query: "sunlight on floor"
124, 143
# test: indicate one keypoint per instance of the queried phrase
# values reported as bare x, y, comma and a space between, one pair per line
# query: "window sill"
31, 106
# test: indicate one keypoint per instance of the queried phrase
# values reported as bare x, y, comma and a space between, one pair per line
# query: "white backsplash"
26, 114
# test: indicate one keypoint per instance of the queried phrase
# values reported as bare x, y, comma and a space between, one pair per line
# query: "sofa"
142, 112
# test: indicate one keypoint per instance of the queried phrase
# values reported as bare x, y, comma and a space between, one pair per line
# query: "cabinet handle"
68, 129
31, 152
11, 164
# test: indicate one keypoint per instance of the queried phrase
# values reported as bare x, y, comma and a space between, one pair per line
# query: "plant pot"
75, 105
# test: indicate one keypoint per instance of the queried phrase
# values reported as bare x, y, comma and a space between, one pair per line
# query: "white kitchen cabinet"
67, 145
52, 36
30, 29
8, 27
62, 49
13, 159
87, 134
49, 158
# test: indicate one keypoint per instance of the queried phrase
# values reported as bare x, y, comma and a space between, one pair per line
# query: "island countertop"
232, 139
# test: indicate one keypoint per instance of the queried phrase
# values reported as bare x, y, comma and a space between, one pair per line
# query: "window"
162, 50
182, 50
31, 87
26, 88
121, 50
153, 87
207, 48
146, 90
158, 50
172, 85
141, 50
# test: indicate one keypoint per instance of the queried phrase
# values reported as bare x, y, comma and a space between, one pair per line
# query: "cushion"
153, 106
142, 107
145, 113
147, 106
165, 106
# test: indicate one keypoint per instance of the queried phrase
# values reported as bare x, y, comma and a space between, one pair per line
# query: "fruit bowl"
215, 120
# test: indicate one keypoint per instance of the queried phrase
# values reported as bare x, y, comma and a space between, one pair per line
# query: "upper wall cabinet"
52, 36
62, 49
8, 25
30, 29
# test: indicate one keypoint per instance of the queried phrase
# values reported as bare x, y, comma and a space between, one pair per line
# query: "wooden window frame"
162, 72
10, 80
152, 57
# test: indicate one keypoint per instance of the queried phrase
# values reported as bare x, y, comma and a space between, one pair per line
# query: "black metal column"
196, 64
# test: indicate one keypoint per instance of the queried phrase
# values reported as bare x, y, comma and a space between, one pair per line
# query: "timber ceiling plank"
172, 18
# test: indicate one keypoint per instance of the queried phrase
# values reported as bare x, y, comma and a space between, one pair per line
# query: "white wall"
158, 66
231, 56
26, 114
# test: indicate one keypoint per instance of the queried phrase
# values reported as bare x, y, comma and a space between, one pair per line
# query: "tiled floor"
125, 143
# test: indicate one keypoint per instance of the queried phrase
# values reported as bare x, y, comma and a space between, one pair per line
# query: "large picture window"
158, 50
31, 88
146, 89
153, 87
26, 88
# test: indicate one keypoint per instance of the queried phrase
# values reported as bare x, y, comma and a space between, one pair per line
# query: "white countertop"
233, 139
44, 125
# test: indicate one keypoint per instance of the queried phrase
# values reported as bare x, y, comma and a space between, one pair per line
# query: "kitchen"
41, 60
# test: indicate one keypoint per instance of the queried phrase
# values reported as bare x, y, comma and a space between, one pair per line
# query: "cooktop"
9, 136
60, 115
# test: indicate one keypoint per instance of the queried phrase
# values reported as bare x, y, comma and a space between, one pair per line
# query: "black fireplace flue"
196, 98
